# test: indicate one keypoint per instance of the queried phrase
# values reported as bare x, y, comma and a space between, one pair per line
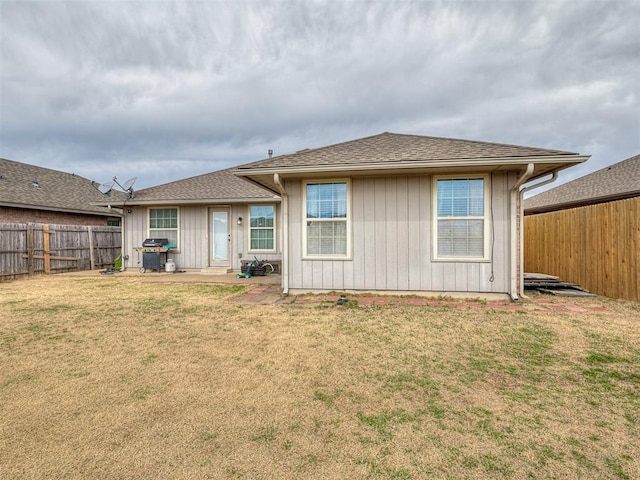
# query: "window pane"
327, 200
461, 197
327, 238
163, 218
262, 239
461, 238
261, 216
171, 235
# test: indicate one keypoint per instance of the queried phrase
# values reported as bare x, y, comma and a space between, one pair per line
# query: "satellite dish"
129, 183
105, 188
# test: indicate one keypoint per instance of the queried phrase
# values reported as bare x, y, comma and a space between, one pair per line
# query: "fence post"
30, 246
47, 252
92, 262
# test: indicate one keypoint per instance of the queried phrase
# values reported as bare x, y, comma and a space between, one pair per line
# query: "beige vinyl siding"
194, 235
392, 242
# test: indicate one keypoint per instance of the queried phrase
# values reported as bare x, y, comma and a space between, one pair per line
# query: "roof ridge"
482, 142
38, 167
307, 150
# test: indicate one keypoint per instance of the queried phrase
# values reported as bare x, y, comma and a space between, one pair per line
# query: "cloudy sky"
165, 90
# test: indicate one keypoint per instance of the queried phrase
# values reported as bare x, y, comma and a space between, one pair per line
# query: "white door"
220, 238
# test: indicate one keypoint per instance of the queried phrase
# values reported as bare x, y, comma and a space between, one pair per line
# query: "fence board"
27, 249
596, 246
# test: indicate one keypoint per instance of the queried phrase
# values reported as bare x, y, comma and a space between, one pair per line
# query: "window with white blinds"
326, 219
461, 218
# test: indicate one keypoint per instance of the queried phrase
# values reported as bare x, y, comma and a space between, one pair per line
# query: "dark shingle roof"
393, 147
220, 185
58, 191
620, 180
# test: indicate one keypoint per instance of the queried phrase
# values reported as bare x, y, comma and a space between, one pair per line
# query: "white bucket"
170, 266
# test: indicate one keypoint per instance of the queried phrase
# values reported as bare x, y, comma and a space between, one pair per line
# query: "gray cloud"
165, 90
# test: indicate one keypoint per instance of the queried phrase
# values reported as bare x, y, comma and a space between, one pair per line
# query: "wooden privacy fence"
33, 248
597, 247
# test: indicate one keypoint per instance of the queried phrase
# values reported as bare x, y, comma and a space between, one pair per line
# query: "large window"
461, 223
163, 223
326, 219
262, 227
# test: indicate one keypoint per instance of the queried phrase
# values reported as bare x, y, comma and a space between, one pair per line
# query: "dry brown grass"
112, 378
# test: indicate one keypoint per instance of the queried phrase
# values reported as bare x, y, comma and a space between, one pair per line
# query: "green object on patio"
117, 264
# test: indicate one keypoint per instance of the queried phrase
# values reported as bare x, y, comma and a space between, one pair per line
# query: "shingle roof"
620, 180
220, 185
58, 191
392, 147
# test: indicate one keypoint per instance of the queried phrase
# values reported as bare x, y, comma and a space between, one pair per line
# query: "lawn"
112, 378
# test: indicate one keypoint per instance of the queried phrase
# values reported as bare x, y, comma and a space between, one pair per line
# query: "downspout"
285, 233
554, 177
124, 236
515, 197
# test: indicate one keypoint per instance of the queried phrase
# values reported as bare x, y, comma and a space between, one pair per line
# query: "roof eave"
60, 209
581, 202
194, 201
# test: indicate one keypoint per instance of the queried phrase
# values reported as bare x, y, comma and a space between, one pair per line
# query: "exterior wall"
194, 236
27, 215
392, 246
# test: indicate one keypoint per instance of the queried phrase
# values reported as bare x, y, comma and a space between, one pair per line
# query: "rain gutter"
285, 233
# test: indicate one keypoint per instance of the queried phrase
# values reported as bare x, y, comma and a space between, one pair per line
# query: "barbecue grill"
154, 253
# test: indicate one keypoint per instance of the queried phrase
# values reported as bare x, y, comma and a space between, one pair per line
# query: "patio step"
216, 270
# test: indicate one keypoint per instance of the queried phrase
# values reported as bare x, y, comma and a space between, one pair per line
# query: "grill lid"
155, 242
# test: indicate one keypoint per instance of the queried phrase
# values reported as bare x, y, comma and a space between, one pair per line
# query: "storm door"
220, 238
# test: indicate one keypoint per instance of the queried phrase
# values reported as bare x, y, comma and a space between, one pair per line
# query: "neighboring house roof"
389, 151
29, 186
615, 182
220, 186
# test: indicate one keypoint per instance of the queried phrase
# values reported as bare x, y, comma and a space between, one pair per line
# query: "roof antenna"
270, 151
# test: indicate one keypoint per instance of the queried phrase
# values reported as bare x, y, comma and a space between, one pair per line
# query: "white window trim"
150, 233
486, 219
275, 230
348, 220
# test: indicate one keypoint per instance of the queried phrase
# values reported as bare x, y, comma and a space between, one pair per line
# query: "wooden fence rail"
33, 248
596, 246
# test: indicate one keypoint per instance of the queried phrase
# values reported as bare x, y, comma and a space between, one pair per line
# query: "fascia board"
457, 163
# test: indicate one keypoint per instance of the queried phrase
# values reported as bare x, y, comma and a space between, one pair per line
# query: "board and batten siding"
391, 241
194, 236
